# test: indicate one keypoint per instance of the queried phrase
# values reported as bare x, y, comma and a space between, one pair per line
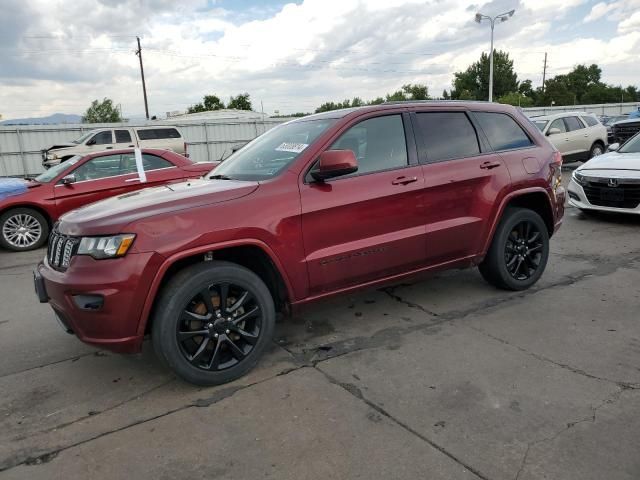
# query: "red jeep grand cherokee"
321, 205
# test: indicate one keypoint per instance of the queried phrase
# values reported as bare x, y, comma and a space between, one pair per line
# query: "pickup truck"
159, 137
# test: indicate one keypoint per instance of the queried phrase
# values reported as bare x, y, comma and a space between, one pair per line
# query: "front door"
367, 225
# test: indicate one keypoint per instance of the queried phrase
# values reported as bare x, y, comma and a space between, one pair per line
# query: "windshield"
540, 124
272, 152
53, 172
632, 145
83, 137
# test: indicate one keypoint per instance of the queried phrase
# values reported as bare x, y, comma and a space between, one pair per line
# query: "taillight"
186, 153
557, 158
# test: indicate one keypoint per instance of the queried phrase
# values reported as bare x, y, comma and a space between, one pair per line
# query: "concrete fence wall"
207, 140
610, 109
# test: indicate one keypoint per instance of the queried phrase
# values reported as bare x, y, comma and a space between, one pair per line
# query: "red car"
315, 207
28, 208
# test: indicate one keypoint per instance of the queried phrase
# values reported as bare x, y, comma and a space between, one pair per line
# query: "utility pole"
144, 87
544, 71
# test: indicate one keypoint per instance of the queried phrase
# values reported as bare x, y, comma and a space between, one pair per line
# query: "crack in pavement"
614, 397
68, 359
565, 366
357, 393
216, 397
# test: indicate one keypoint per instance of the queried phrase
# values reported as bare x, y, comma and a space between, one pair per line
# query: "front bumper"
578, 198
100, 301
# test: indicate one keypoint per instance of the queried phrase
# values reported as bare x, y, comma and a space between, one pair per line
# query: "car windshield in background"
632, 145
53, 172
271, 153
82, 138
540, 124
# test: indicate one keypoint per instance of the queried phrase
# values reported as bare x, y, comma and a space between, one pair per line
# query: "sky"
57, 56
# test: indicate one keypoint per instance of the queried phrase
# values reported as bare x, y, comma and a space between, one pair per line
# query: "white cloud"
631, 24
293, 58
599, 10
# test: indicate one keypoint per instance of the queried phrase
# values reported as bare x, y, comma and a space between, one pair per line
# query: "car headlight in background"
106, 247
579, 178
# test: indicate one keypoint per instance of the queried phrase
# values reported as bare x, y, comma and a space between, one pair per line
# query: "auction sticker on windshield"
291, 147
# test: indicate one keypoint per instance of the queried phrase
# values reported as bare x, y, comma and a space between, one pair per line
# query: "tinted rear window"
158, 133
590, 121
448, 135
123, 136
573, 123
502, 131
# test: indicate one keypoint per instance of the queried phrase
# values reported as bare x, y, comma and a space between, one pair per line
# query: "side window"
378, 144
152, 162
448, 135
99, 167
158, 133
573, 123
123, 136
146, 134
502, 131
149, 162
102, 138
590, 121
559, 124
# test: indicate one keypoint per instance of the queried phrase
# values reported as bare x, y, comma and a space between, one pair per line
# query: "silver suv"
579, 136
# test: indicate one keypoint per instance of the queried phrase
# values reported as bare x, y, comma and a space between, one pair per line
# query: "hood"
614, 161
113, 214
10, 187
61, 145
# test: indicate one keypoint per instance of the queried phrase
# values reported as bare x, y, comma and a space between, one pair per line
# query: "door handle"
489, 165
404, 180
108, 148
132, 145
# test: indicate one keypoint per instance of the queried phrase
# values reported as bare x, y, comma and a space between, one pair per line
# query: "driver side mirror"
613, 147
68, 179
553, 131
334, 163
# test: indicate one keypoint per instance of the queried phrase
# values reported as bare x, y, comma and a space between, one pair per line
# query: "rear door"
462, 179
578, 139
123, 139
370, 224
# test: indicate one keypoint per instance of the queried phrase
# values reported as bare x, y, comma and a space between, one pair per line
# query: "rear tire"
23, 229
213, 322
519, 251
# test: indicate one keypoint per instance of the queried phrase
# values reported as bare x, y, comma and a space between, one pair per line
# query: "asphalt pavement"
441, 378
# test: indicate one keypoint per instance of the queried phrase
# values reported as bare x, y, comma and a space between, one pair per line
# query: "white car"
578, 136
610, 182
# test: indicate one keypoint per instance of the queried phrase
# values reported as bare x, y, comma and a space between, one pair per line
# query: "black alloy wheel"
219, 327
212, 322
523, 250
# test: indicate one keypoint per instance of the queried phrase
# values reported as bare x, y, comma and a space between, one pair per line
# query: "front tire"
213, 322
23, 229
597, 149
519, 251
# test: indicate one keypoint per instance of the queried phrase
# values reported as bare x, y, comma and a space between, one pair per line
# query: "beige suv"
162, 137
579, 136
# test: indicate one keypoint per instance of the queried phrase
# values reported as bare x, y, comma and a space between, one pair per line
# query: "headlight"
579, 178
106, 247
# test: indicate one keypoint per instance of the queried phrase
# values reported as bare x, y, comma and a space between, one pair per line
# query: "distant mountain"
51, 119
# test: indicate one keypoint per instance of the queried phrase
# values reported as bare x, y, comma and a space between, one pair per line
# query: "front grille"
624, 131
61, 249
625, 195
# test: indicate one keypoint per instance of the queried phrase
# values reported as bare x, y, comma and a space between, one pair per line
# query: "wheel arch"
31, 206
536, 199
251, 254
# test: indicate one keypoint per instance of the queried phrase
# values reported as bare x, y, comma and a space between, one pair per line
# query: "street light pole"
503, 18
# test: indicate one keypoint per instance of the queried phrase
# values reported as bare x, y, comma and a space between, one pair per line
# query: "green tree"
516, 99
210, 102
397, 96
445, 95
240, 102
102, 112
376, 101
416, 91
475, 79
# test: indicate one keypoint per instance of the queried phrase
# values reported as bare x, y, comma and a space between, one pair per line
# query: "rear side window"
123, 136
502, 131
573, 123
149, 162
590, 121
448, 135
158, 133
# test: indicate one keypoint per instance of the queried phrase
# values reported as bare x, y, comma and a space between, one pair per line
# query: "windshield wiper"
220, 177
